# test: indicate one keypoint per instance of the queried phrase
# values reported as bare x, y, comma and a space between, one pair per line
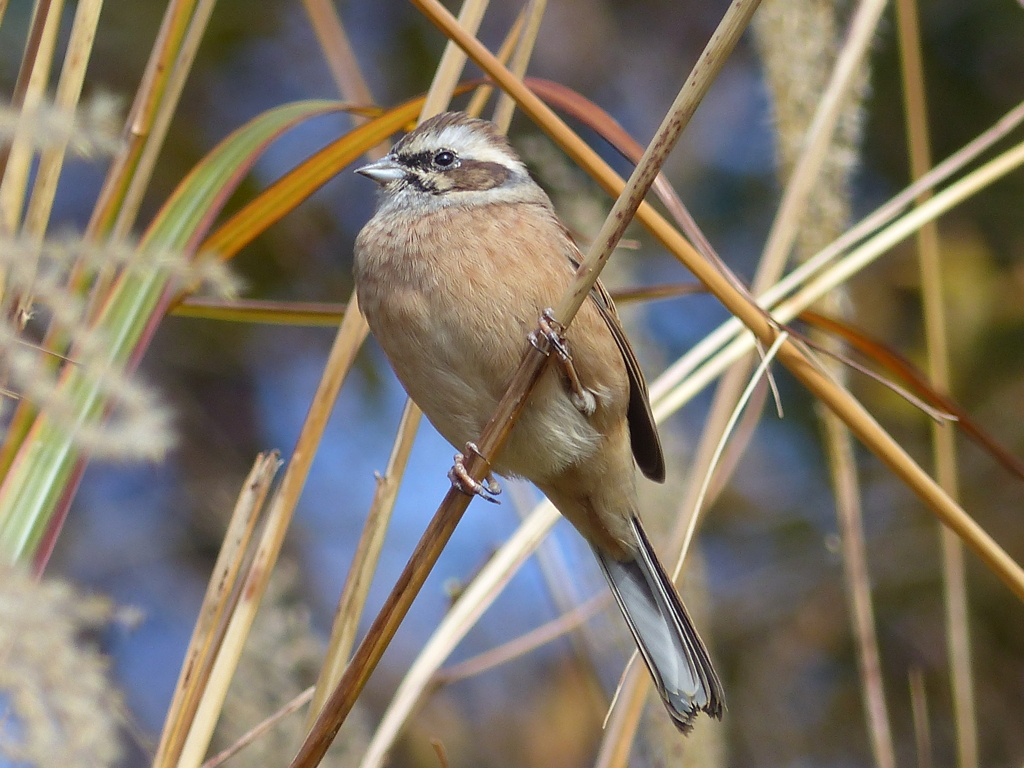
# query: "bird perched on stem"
454, 273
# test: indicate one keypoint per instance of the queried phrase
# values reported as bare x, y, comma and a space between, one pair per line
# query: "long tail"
675, 654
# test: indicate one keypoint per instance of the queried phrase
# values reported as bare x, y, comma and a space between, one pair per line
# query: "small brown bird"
453, 272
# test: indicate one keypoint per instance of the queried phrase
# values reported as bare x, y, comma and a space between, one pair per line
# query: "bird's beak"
382, 171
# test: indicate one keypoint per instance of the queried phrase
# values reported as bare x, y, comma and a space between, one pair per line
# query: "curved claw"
462, 480
549, 337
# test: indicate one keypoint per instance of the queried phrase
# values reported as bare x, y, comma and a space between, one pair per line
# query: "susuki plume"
93, 129
60, 710
137, 425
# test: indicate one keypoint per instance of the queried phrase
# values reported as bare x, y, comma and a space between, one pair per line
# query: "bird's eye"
444, 158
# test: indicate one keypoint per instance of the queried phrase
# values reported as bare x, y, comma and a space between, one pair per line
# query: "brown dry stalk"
364, 561
17, 162
523, 644
798, 65
69, 90
958, 631
258, 730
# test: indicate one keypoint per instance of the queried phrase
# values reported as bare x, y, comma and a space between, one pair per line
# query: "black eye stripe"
419, 160
429, 160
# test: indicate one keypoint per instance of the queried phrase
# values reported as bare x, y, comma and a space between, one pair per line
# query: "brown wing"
643, 433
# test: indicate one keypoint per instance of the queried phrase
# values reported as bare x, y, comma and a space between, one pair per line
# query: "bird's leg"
462, 480
552, 331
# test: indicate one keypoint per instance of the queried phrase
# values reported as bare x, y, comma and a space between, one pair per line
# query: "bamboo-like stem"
919, 710
341, 60
467, 610
364, 561
846, 490
69, 90
523, 644
37, 33
258, 730
837, 398
958, 627
337, 50
534, 13
443, 524
19, 159
209, 627
453, 61
139, 131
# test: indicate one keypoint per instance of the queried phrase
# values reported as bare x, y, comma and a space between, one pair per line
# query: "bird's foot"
550, 337
463, 481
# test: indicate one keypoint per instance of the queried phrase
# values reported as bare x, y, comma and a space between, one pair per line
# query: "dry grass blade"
958, 625
533, 364
655, 292
40, 12
350, 336
533, 13
759, 372
919, 710
18, 161
352, 85
158, 108
328, 314
304, 313
341, 60
522, 645
251, 736
156, 102
337, 50
869, 226
475, 107
933, 400
623, 716
819, 137
69, 90
687, 376
846, 490
364, 562
453, 61
209, 628
464, 614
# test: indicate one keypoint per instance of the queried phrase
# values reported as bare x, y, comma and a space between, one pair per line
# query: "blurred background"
774, 612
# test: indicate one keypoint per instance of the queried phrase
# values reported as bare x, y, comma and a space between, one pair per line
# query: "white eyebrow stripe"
468, 144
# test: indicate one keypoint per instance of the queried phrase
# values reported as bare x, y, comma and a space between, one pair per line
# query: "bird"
455, 274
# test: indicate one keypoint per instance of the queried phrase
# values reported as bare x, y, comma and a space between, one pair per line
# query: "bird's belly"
455, 362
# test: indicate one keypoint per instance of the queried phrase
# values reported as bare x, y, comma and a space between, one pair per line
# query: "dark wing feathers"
643, 433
